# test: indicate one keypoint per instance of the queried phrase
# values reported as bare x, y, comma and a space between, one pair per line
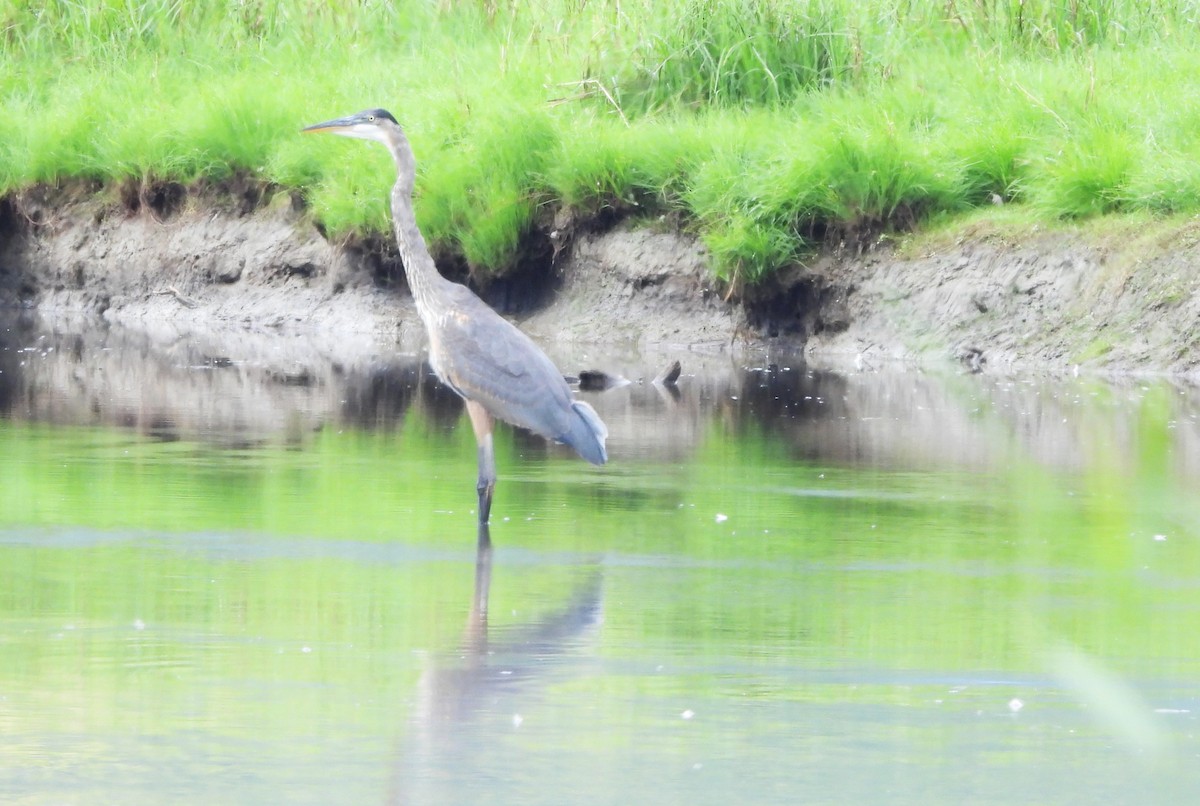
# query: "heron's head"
373, 124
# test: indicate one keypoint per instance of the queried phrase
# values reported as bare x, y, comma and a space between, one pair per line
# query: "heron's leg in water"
482, 422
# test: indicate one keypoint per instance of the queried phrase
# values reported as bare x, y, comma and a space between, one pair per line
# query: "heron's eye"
371, 118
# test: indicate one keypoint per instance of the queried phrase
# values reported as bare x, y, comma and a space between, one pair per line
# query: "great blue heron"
494, 367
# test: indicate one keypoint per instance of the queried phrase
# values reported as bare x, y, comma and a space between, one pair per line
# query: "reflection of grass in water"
944, 572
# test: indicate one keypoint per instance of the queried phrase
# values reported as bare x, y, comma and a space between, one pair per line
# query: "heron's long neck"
423, 278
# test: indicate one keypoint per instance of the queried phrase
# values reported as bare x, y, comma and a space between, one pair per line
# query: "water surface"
246, 571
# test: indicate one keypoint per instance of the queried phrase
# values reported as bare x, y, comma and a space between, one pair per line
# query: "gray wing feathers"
587, 433
485, 358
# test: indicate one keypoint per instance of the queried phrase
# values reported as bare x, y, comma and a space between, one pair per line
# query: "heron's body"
492, 365
505, 372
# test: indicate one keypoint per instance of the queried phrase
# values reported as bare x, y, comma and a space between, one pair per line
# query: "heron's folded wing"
486, 358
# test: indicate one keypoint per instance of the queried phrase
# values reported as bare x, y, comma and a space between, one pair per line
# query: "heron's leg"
482, 423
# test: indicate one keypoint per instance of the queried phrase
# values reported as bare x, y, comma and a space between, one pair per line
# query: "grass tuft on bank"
764, 125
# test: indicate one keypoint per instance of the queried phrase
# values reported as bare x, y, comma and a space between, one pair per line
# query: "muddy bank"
203, 265
1058, 301
1125, 299
271, 270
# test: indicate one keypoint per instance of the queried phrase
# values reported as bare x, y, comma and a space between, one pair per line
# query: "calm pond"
245, 571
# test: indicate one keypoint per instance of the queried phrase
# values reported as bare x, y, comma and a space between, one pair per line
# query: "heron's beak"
337, 126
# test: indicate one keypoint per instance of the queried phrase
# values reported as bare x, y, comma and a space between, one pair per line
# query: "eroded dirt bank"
1121, 300
1052, 301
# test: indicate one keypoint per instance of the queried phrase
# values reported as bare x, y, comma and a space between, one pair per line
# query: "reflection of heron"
469, 700
496, 368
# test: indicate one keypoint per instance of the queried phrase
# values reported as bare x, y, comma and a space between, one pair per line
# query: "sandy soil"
1060, 301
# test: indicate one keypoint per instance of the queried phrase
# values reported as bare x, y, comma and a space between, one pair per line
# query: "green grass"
764, 126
